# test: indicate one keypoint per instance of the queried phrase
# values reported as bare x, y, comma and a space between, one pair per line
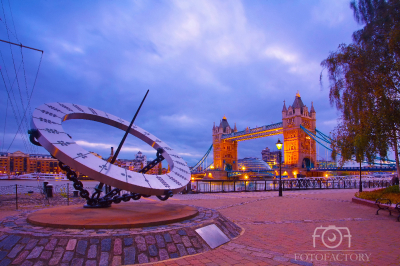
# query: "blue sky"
200, 60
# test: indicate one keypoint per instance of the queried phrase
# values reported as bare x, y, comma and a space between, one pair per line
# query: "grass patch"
392, 193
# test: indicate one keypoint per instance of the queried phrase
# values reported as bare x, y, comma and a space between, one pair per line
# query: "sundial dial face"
48, 118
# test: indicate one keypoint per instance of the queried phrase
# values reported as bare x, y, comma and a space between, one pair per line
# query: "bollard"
49, 190
75, 193
44, 187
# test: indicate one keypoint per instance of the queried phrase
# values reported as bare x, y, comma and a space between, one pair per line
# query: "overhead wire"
12, 19
8, 99
28, 107
30, 97
8, 29
23, 122
11, 102
5, 125
27, 146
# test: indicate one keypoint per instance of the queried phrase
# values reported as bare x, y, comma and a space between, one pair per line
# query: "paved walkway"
277, 231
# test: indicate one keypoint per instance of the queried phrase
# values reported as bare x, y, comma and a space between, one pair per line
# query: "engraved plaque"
213, 236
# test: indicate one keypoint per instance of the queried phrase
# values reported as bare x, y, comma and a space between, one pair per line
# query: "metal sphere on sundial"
47, 120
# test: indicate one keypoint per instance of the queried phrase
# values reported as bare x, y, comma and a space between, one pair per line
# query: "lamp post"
279, 146
310, 151
360, 178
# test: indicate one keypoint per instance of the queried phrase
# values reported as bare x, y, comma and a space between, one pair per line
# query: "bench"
398, 210
386, 204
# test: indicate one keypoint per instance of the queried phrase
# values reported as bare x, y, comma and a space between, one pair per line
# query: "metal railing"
216, 186
17, 196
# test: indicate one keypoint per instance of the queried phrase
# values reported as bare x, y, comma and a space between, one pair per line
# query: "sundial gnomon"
48, 132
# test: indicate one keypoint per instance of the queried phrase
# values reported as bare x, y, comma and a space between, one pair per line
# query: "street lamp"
310, 151
360, 187
279, 146
360, 178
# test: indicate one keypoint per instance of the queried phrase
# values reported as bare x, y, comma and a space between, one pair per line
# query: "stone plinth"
117, 216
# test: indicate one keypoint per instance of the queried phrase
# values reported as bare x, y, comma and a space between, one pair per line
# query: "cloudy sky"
200, 60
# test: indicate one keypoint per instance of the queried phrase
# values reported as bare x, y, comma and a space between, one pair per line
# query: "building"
136, 164
42, 163
299, 148
140, 162
270, 157
19, 163
253, 164
225, 151
4, 163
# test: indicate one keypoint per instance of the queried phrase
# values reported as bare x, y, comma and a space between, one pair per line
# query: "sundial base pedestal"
124, 215
96, 206
207, 230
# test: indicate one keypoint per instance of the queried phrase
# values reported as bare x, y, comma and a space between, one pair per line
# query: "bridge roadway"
254, 133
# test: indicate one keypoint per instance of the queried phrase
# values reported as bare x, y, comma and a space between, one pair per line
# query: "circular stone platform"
52, 246
136, 215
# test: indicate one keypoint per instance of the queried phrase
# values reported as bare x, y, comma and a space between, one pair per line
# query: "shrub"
392, 189
391, 193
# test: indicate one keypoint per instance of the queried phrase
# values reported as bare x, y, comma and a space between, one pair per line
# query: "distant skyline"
201, 60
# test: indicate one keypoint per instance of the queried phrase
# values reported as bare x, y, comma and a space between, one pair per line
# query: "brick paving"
277, 231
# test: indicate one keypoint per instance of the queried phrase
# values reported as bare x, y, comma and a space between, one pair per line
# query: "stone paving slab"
278, 231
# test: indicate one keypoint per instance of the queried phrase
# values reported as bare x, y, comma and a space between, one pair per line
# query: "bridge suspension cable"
202, 160
324, 139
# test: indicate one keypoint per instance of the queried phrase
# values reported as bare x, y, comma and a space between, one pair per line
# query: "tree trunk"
396, 154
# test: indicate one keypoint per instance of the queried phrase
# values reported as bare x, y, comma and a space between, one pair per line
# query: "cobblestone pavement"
277, 231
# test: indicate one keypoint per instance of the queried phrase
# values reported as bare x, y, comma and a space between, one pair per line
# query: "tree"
365, 84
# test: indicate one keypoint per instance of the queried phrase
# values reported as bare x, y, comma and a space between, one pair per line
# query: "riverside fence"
216, 186
17, 196
30, 196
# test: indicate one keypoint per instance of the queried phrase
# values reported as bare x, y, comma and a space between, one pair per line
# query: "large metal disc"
47, 119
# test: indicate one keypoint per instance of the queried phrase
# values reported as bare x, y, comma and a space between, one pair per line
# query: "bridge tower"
225, 151
299, 149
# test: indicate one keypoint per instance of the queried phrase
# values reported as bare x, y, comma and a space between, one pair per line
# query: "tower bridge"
299, 149
300, 138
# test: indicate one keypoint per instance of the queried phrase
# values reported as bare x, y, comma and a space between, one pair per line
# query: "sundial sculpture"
47, 131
